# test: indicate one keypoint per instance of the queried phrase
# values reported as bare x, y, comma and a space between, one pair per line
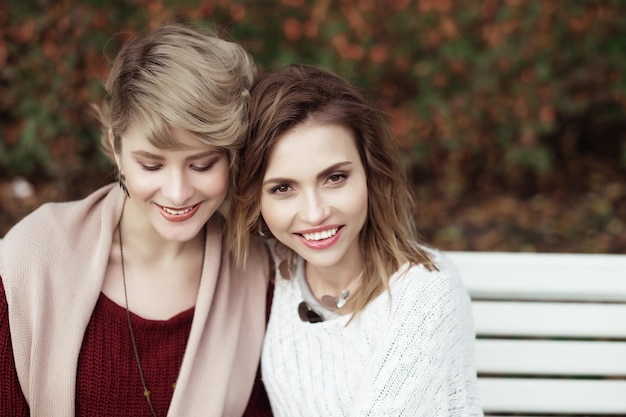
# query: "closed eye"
150, 167
203, 168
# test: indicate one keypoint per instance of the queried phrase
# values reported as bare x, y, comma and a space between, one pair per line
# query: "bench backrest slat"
554, 396
533, 319
500, 275
551, 357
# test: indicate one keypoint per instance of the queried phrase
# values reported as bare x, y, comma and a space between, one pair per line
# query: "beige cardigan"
52, 265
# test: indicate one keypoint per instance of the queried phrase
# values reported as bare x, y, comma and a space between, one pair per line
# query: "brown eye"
282, 188
336, 178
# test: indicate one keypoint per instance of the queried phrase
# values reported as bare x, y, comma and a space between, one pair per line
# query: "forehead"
311, 148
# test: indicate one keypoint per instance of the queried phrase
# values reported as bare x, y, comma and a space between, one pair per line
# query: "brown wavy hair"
297, 94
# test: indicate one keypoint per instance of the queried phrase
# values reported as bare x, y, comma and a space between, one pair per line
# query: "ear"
115, 154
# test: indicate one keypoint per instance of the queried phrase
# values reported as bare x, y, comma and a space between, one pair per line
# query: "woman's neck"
333, 280
161, 278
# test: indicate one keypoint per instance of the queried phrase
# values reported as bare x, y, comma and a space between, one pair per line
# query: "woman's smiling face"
314, 194
176, 190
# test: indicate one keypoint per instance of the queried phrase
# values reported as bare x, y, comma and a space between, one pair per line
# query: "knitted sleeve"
12, 401
424, 365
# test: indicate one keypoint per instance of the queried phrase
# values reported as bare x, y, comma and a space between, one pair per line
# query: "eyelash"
276, 189
197, 168
203, 168
150, 167
338, 178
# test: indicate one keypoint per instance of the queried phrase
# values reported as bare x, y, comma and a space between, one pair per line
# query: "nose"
177, 188
314, 208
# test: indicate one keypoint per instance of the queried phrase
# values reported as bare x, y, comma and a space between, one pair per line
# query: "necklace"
146, 392
335, 303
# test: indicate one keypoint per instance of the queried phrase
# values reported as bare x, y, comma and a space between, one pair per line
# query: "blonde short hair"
176, 76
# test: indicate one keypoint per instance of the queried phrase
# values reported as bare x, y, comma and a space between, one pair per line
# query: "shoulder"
441, 276
56, 228
54, 217
43, 228
417, 288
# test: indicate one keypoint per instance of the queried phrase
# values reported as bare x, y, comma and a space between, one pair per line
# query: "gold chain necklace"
146, 392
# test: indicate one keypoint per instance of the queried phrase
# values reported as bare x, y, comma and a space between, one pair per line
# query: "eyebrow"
149, 155
322, 174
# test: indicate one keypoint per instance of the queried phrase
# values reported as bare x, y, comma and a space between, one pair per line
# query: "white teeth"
176, 212
321, 235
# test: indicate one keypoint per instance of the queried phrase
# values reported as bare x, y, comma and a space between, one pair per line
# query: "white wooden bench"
550, 332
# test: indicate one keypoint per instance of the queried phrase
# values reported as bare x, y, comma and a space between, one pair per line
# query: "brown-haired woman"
365, 320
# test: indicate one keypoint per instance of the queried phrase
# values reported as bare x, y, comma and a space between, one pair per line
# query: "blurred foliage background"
511, 114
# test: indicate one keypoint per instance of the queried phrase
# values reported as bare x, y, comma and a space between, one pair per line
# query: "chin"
181, 233
321, 260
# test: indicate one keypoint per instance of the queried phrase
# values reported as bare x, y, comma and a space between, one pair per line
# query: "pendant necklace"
335, 303
146, 392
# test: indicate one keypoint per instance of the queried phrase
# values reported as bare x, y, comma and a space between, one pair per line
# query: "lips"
178, 214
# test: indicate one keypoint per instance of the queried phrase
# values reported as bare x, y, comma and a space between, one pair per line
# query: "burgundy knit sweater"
108, 381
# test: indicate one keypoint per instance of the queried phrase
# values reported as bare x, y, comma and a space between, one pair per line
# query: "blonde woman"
126, 303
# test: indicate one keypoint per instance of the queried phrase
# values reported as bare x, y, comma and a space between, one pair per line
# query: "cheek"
140, 182
359, 204
269, 212
222, 182
217, 183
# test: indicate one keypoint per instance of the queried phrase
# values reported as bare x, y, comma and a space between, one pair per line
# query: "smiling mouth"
175, 212
325, 234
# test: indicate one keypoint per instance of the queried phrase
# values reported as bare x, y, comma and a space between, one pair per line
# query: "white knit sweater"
412, 355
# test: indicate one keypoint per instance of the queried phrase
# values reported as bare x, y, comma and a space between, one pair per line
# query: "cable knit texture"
52, 265
408, 355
